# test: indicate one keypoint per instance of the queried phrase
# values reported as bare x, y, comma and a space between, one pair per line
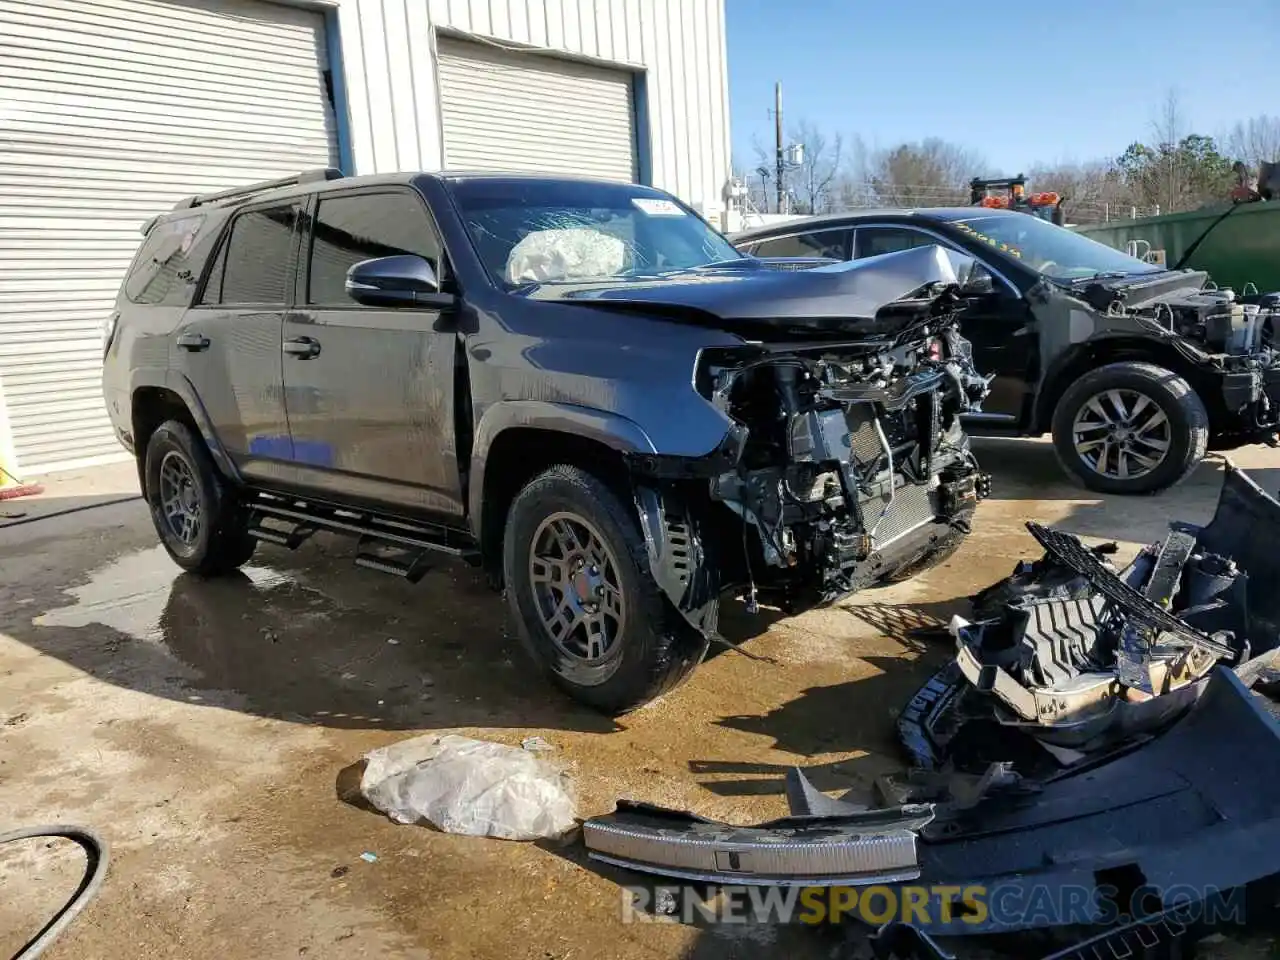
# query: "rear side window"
254, 265
358, 227
168, 263
823, 243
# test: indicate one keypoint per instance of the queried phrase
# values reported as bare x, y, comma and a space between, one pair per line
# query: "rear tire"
633, 647
195, 512
1099, 442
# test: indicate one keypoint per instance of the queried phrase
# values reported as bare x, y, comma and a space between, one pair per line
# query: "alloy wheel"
180, 497
577, 587
1121, 434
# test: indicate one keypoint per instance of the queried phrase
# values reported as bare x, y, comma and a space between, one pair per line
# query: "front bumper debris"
1167, 935
1094, 757
1193, 809
1153, 826
1072, 656
848, 849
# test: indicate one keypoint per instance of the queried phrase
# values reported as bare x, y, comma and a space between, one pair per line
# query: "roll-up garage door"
509, 110
110, 110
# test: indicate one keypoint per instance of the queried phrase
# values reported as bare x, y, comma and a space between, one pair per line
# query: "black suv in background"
577, 384
1135, 370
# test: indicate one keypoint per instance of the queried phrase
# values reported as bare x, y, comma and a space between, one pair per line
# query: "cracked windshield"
584, 232
1058, 254
639, 480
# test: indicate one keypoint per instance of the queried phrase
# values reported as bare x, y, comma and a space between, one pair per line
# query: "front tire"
194, 511
585, 602
1130, 428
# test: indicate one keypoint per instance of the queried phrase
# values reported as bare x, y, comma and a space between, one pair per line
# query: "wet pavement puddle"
362, 652
130, 594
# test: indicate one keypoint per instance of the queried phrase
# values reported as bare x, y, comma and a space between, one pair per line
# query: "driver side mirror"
978, 283
406, 280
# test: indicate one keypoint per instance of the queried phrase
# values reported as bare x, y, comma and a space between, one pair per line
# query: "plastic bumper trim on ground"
872, 847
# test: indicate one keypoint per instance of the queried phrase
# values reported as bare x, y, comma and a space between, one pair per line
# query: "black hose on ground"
66, 510
95, 850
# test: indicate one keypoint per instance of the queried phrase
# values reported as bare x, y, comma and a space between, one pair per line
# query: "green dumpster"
1243, 248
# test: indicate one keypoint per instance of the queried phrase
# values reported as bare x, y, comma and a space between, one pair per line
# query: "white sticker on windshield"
657, 207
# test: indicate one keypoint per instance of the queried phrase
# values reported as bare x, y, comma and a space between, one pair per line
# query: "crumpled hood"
837, 297
1139, 291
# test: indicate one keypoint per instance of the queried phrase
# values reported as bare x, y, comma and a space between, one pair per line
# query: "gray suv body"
577, 384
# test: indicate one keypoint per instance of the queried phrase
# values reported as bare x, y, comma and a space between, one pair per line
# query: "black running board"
386, 544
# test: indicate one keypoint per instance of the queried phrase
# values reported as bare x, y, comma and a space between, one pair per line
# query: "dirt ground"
203, 728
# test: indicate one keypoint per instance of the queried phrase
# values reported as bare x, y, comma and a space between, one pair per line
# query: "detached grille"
913, 506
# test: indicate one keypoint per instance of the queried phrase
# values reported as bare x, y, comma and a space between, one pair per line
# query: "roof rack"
319, 175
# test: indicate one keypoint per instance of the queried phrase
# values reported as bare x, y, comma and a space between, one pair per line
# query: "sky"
1019, 83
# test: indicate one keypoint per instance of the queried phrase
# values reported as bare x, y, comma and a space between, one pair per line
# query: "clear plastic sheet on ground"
470, 787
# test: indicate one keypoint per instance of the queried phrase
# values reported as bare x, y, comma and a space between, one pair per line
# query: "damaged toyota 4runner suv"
1135, 370
578, 385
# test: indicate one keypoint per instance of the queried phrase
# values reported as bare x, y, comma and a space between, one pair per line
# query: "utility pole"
777, 117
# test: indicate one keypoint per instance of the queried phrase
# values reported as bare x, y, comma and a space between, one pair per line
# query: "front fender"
611, 429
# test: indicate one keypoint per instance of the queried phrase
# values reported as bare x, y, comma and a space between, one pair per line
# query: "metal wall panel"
515, 110
677, 45
110, 110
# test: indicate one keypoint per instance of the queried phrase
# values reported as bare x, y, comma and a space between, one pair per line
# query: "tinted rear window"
168, 264
255, 265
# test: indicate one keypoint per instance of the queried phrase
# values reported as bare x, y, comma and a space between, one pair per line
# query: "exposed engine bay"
855, 468
1228, 337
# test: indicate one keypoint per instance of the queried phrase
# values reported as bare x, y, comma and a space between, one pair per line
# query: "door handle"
303, 347
194, 342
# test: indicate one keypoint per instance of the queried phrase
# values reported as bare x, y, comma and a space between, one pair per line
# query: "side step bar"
385, 544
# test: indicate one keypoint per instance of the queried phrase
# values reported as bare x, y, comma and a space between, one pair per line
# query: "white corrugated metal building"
110, 110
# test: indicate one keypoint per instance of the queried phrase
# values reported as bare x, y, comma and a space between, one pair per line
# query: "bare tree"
1180, 170
1169, 127
1093, 191
1254, 141
822, 162
932, 172
760, 176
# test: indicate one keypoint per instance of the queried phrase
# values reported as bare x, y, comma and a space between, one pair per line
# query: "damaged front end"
855, 468
1229, 341
847, 464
